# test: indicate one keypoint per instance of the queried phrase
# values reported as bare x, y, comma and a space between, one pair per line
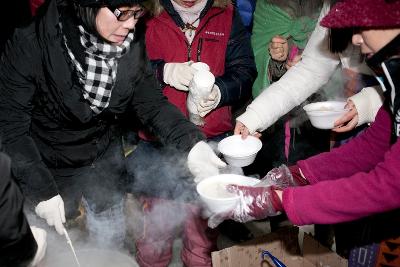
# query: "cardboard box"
389, 253
283, 245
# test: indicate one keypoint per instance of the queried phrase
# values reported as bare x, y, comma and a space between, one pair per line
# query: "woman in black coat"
69, 83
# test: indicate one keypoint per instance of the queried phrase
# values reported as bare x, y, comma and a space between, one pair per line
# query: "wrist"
279, 194
250, 120
218, 96
160, 72
276, 200
165, 72
298, 176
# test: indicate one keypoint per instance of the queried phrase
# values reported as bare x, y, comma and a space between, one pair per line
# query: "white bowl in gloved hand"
239, 152
214, 195
323, 115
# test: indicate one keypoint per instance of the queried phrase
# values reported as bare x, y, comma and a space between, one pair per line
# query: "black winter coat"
45, 123
386, 65
17, 244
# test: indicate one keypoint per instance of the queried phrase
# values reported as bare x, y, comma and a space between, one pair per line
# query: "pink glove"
283, 177
255, 203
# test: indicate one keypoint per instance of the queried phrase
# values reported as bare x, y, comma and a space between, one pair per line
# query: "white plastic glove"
255, 203
203, 162
53, 212
210, 102
40, 236
179, 75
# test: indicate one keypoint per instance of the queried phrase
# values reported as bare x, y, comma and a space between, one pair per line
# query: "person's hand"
255, 203
53, 212
278, 48
40, 236
179, 75
283, 177
210, 103
203, 162
241, 129
348, 121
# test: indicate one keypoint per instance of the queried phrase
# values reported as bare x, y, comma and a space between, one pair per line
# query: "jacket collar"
169, 8
386, 64
390, 50
166, 19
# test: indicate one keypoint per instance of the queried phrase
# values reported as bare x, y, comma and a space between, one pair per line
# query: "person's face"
372, 40
187, 3
113, 30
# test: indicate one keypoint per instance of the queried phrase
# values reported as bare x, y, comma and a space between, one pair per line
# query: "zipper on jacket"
198, 30
198, 52
189, 52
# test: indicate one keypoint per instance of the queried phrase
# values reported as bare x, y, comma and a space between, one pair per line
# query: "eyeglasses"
123, 15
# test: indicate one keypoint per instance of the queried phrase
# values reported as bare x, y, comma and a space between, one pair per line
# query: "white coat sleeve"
299, 82
368, 101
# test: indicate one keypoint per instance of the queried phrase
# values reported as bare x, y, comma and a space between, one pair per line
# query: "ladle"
71, 246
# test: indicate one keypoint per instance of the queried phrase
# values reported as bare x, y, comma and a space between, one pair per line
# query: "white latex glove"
203, 162
210, 102
53, 212
40, 236
179, 75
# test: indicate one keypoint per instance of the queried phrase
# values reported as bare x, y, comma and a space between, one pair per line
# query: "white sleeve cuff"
251, 120
367, 101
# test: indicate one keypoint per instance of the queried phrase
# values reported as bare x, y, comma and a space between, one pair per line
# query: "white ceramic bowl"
239, 152
322, 115
214, 195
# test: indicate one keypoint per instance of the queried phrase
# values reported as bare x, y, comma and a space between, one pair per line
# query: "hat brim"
355, 13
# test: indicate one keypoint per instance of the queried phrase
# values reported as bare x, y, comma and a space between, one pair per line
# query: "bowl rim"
326, 114
220, 176
333, 102
226, 139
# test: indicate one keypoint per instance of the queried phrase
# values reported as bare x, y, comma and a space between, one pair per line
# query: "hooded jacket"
221, 41
45, 123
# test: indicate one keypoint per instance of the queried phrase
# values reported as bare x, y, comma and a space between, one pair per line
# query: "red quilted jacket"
165, 41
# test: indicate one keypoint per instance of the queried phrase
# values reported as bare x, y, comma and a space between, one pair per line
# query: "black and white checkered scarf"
100, 70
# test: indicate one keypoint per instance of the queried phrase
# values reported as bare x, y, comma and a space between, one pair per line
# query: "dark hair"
339, 39
87, 16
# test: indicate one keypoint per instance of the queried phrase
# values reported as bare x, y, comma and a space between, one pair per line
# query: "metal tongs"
72, 247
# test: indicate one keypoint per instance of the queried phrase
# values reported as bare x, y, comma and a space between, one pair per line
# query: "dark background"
13, 13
